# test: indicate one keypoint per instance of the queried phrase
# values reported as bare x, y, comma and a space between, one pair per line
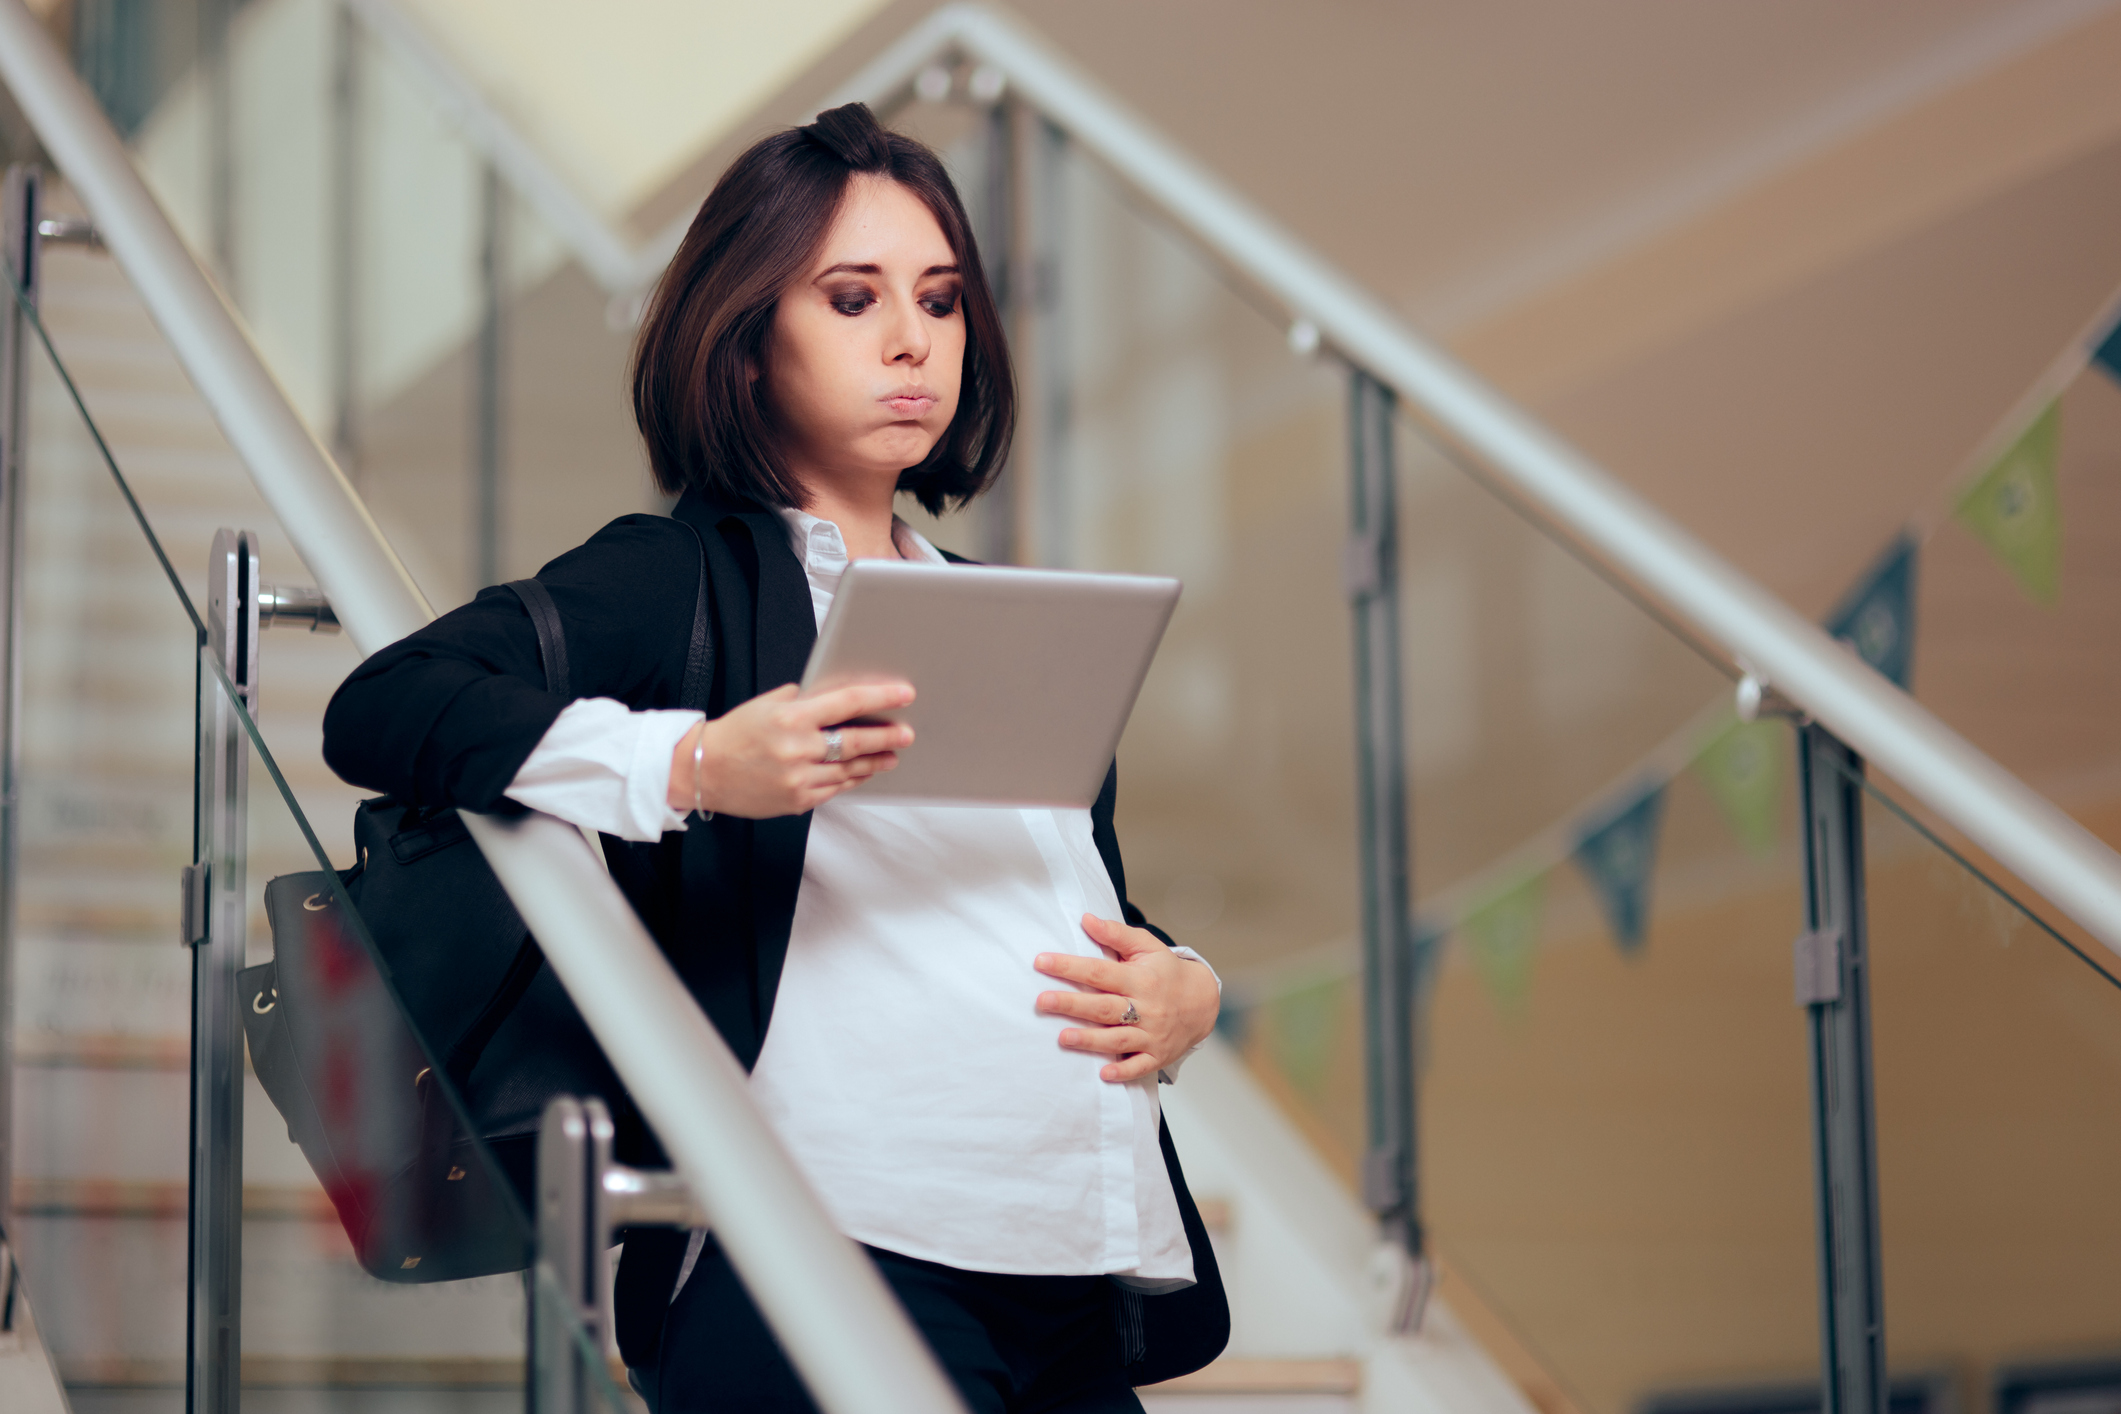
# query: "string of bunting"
2005, 493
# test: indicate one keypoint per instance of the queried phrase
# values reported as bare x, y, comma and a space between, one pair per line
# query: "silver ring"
1130, 1015
832, 746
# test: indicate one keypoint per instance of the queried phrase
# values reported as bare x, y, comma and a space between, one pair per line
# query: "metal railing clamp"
583, 1200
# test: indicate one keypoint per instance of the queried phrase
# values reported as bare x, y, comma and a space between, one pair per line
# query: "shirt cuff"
606, 768
1169, 1074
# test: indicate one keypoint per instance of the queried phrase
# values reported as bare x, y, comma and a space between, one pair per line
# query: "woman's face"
866, 350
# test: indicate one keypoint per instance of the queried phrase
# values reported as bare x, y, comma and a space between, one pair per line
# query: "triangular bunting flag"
1877, 618
1428, 956
1618, 853
2015, 510
1501, 937
1428, 960
2108, 354
1302, 1025
1739, 768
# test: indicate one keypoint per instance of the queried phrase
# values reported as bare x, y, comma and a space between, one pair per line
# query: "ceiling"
1461, 158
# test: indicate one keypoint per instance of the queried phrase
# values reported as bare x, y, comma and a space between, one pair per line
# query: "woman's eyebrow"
849, 268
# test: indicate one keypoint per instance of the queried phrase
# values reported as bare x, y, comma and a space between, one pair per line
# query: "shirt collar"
821, 549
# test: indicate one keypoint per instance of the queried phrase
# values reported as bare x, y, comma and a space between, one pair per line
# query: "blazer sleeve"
1106, 838
447, 715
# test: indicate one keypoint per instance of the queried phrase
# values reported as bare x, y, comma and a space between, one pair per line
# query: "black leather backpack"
347, 1050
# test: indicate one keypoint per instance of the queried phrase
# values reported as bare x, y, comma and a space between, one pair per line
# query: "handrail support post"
1390, 1176
215, 919
574, 1149
1833, 985
19, 216
584, 1198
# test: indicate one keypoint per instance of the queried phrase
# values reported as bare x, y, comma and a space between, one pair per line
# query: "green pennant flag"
2015, 510
1502, 935
1739, 767
1302, 1026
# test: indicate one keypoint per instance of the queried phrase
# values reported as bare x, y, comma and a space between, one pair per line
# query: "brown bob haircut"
704, 331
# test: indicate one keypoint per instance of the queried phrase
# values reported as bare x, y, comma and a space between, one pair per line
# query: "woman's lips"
910, 404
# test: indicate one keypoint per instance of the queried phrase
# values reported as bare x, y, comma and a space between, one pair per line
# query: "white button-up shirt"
906, 1067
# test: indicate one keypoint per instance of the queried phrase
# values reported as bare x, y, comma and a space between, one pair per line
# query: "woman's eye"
941, 308
852, 305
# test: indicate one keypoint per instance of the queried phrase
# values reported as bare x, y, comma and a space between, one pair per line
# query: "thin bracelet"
699, 754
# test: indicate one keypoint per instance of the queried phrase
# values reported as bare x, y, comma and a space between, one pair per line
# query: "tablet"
1023, 678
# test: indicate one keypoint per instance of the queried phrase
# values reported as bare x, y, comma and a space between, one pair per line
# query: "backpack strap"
552, 652
699, 653
552, 641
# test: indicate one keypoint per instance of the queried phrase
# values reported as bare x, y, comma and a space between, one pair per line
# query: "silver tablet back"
1024, 678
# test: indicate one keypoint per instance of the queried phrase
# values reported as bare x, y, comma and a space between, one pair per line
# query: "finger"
1105, 1040
784, 693
857, 773
1134, 1067
1122, 938
857, 742
823, 775
1101, 973
1101, 1007
844, 704
863, 767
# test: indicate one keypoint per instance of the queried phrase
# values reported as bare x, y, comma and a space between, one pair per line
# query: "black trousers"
1012, 1344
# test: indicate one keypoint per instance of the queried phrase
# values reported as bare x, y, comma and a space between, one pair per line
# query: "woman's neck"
864, 520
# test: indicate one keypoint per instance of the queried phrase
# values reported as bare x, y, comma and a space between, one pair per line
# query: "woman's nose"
906, 340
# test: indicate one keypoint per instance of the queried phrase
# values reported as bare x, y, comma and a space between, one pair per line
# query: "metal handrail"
831, 1310
2016, 825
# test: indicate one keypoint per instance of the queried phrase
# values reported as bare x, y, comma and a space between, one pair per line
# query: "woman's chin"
890, 456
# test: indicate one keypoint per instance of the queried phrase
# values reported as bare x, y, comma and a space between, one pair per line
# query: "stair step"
309, 1372
116, 1050
151, 1198
1239, 1376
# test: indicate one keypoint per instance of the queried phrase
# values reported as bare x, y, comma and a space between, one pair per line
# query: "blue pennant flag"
1877, 617
1618, 853
1428, 960
2108, 354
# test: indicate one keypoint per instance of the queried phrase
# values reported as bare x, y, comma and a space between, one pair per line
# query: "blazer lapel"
787, 625
782, 629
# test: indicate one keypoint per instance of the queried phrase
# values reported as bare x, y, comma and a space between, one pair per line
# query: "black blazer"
448, 715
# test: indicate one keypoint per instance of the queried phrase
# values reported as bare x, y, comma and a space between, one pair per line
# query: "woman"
967, 1021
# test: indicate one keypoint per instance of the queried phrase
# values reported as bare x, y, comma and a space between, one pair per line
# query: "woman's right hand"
767, 757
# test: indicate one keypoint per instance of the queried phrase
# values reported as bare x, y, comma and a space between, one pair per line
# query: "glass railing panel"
111, 696
102, 987
1998, 1084
1615, 1132
2015, 620
1614, 1095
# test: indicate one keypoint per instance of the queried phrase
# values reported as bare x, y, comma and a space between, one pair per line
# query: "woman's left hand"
1175, 1000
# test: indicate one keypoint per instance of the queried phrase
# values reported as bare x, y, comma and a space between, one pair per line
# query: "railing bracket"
191, 926
1818, 966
